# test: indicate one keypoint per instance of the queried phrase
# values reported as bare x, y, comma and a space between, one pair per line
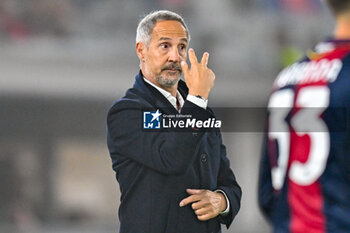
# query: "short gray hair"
146, 25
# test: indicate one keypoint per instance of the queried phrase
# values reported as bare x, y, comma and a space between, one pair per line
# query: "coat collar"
154, 97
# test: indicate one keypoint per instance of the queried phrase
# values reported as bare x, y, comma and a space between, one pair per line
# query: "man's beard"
169, 82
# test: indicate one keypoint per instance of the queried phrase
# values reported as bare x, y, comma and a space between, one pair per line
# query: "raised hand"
199, 79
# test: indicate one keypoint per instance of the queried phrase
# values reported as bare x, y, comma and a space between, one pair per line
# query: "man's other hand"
205, 203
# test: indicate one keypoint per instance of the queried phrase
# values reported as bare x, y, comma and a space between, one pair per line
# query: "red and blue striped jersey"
304, 179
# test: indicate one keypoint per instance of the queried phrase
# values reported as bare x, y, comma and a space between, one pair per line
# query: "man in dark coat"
171, 180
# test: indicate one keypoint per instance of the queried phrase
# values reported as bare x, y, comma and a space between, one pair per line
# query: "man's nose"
174, 55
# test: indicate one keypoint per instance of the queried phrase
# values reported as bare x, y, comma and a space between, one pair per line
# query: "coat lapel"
154, 97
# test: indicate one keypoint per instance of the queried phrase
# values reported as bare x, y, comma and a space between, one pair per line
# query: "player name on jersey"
309, 72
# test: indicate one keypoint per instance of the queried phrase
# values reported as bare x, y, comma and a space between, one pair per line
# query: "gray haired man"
170, 181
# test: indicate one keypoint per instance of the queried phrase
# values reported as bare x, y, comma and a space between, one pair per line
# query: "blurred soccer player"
304, 181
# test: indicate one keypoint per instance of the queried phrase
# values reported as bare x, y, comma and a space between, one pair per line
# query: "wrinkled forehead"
170, 29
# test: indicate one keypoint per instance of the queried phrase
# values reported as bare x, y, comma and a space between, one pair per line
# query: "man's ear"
141, 50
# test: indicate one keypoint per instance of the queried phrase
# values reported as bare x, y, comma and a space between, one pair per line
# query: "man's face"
163, 56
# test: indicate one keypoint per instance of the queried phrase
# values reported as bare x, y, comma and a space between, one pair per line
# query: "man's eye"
164, 46
182, 47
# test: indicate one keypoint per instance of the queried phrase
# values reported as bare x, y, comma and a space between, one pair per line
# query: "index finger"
190, 199
205, 59
192, 56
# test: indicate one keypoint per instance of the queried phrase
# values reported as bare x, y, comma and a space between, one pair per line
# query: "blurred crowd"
21, 19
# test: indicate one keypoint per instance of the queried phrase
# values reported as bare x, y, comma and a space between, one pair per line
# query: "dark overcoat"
155, 167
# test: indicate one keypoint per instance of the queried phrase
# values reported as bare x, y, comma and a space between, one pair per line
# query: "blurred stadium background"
63, 63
